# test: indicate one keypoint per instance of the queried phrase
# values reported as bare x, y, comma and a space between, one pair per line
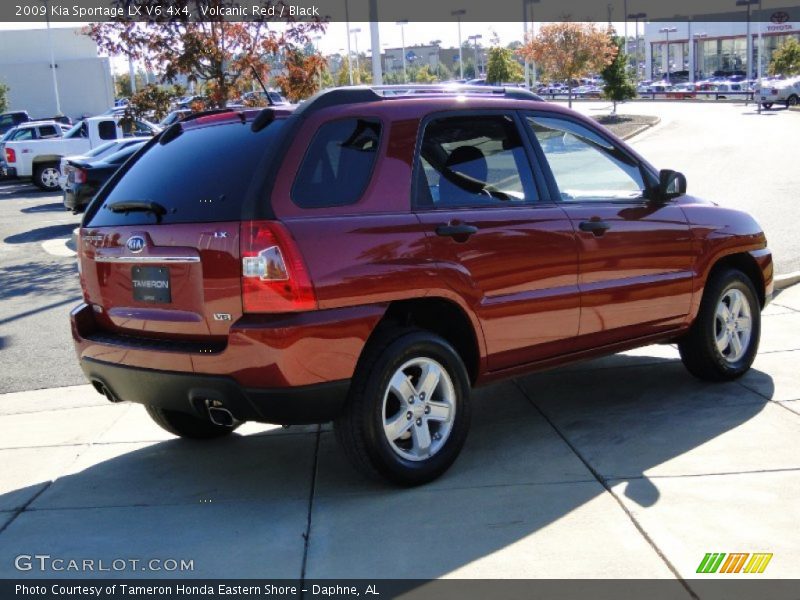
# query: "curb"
782, 282
643, 128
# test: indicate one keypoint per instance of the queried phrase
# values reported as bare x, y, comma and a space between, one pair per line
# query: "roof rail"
456, 88
362, 93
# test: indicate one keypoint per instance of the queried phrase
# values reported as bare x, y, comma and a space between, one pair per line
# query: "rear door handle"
596, 227
462, 230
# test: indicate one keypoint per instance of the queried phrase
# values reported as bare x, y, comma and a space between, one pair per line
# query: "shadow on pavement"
50, 232
240, 506
38, 277
52, 207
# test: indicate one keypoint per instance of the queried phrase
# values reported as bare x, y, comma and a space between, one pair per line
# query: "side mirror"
671, 184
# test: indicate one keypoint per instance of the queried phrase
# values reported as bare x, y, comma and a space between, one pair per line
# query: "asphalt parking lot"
623, 467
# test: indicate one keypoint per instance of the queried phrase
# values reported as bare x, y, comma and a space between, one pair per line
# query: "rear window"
201, 176
338, 164
117, 158
107, 130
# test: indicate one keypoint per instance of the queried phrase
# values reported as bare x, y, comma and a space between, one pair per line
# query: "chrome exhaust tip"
220, 416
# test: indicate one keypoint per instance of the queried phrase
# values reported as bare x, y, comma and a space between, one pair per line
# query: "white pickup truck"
40, 159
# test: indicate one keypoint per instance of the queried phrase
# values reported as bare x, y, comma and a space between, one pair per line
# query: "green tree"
502, 67
424, 75
152, 102
618, 85
786, 59
3, 97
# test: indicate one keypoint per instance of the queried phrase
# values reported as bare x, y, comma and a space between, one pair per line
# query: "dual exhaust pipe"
217, 413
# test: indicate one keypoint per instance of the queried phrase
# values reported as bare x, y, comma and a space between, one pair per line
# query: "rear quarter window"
201, 176
338, 164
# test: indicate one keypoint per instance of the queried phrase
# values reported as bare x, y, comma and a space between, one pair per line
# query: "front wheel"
723, 341
792, 101
188, 426
408, 412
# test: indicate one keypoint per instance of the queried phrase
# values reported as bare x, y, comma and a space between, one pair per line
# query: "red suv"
371, 256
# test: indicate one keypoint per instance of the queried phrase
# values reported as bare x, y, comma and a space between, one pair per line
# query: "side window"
338, 164
47, 131
474, 160
107, 130
585, 165
23, 134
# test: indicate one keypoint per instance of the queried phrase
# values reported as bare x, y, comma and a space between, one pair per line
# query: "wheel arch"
745, 263
441, 316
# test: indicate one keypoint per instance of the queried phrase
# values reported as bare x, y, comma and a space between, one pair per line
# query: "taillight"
11, 155
274, 276
79, 176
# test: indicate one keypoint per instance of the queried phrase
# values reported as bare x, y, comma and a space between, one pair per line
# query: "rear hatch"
159, 248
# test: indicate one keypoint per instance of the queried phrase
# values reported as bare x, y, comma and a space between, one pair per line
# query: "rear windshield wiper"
125, 206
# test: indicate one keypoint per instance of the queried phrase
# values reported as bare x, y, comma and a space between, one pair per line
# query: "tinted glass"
107, 130
585, 165
201, 176
476, 160
338, 164
117, 158
99, 150
46, 131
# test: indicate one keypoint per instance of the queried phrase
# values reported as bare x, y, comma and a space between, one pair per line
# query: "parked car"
786, 92
10, 120
174, 116
370, 260
40, 159
86, 177
30, 130
65, 166
683, 91
262, 98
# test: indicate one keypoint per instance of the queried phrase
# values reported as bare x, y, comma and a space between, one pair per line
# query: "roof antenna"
263, 87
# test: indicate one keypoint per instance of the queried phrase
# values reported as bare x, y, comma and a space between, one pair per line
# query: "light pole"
403, 24
52, 56
636, 18
347, 24
695, 46
668, 30
533, 34
749, 46
458, 14
317, 38
355, 31
474, 39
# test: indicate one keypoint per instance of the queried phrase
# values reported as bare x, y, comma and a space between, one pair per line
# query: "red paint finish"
536, 289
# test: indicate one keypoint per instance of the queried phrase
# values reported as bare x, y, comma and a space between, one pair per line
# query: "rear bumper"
184, 392
285, 369
6, 171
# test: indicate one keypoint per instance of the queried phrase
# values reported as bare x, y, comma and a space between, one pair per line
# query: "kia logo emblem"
135, 243
779, 17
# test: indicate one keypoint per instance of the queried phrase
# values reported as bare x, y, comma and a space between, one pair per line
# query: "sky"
334, 40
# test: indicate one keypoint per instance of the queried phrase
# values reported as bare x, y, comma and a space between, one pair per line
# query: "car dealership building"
700, 50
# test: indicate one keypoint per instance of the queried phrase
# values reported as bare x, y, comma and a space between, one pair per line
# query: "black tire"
766, 105
360, 429
186, 425
698, 348
792, 100
45, 176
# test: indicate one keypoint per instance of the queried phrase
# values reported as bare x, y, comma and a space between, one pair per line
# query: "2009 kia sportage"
370, 257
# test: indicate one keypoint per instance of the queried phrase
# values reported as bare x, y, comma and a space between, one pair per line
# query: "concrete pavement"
623, 467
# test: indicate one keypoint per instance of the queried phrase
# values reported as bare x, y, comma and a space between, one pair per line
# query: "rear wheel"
408, 412
767, 105
46, 176
188, 426
723, 341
